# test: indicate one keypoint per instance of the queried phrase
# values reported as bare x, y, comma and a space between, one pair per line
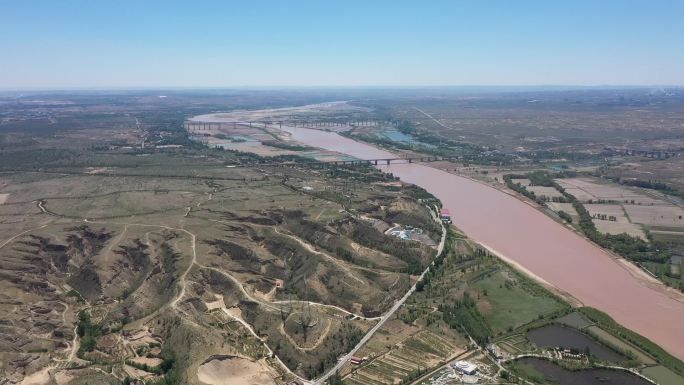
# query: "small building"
445, 216
465, 367
401, 234
496, 351
356, 360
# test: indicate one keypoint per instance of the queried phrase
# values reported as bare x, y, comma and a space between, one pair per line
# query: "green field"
575, 320
663, 375
508, 303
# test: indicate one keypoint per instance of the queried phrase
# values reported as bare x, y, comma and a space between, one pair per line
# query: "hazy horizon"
82, 45
455, 88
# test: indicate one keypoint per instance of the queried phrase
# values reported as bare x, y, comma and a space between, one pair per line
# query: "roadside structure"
445, 216
465, 367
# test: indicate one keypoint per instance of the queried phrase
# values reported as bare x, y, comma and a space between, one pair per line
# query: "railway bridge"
192, 126
360, 162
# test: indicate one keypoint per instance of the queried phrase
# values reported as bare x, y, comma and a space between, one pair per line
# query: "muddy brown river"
533, 242
544, 248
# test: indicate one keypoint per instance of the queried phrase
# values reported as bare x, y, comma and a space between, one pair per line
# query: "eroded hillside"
149, 273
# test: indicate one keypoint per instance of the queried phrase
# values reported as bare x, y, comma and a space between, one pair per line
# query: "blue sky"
77, 44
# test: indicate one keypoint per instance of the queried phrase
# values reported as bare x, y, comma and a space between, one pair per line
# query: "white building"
465, 367
401, 234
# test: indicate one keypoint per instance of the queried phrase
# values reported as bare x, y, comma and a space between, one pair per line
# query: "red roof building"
445, 215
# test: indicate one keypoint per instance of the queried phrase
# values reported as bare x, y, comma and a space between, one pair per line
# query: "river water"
555, 335
535, 242
558, 375
532, 241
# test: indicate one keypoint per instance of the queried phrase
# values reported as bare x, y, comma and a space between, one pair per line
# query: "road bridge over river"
375, 162
196, 126
533, 242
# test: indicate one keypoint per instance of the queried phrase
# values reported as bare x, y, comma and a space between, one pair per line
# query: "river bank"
533, 242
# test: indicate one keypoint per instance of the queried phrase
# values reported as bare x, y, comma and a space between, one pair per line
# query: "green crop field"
663, 375
508, 303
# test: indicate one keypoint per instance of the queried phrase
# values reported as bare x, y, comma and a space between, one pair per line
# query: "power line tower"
286, 309
306, 320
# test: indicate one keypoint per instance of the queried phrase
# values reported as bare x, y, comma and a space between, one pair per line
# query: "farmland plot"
587, 189
662, 215
549, 192
621, 224
567, 207
422, 350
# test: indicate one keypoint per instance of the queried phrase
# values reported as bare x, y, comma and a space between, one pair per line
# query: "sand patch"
3, 198
227, 370
63, 377
149, 361
218, 304
637, 271
97, 170
38, 378
235, 312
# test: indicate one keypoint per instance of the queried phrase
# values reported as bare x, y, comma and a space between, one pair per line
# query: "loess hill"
170, 263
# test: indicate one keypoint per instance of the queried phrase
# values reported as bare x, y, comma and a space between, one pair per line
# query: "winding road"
343, 360
433, 119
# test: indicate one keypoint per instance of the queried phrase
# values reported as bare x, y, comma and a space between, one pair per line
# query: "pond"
561, 376
398, 136
555, 335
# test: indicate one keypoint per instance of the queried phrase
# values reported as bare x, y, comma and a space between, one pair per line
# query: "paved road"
383, 319
346, 357
433, 119
20, 234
